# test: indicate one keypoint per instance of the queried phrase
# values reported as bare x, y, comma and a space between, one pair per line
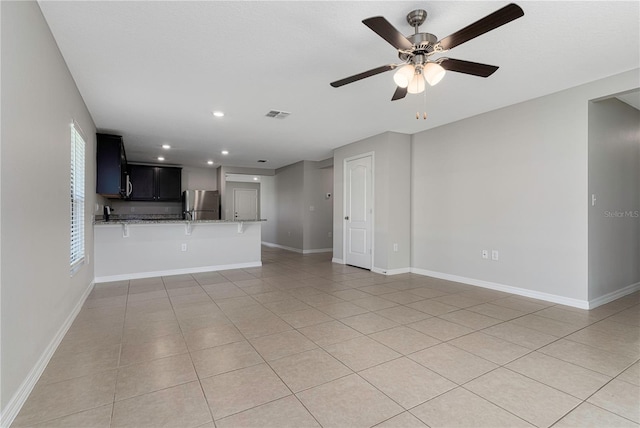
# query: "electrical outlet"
395, 248
330, 234
133, 209
183, 247
495, 255
485, 254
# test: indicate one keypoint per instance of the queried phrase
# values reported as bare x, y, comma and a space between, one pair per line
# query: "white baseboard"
610, 297
338, 261
390, 271
282, 247
297, 250
318, 250
20, 397
576, 303
139, 275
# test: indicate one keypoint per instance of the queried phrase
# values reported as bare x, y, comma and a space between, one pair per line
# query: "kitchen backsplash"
130, 209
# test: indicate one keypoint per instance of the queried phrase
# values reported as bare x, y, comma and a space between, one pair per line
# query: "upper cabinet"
169, 182
111, 163
143, 183
116, 179
155, 183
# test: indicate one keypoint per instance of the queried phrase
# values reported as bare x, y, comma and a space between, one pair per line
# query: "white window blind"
77, 199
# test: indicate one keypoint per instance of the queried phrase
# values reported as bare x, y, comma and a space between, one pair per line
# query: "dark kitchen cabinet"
155, 183
169, 182
111, 166
143, 183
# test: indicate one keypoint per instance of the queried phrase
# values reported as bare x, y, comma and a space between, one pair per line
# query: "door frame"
373, 204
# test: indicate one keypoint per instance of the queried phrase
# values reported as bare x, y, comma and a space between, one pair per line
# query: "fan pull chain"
424, 113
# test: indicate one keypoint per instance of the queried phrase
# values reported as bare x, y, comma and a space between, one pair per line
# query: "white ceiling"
154, 71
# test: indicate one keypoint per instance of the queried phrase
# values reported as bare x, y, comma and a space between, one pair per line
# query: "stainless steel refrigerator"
201, 205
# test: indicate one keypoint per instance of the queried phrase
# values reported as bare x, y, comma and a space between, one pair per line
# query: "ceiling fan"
416, 50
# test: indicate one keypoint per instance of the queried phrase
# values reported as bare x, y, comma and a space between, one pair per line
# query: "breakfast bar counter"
130, 249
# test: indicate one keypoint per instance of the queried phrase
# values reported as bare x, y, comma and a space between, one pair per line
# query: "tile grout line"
115, 386
270, 368
204, 395
504, 365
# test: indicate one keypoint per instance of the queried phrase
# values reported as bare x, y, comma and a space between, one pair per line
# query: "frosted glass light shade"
433, 73
403, 76
417, 85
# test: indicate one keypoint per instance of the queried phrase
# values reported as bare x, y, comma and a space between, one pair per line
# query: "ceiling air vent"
277, 114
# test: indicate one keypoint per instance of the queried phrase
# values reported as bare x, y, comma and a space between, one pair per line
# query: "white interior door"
358, 212
245, 204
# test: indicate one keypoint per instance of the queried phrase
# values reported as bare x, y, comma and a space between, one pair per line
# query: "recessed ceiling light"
160, 158
225, 152
218, 113
166, 146
210, 162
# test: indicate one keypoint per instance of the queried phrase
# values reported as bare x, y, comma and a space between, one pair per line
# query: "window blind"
77, 198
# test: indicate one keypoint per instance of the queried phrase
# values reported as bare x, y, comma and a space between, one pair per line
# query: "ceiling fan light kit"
404, 75
415, 51
417, 83
433, 73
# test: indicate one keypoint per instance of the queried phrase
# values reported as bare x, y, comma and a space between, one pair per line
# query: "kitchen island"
130, 249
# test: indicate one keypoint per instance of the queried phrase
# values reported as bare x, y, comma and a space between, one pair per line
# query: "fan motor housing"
423, 44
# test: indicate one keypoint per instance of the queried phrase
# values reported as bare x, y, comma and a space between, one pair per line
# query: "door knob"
346, 218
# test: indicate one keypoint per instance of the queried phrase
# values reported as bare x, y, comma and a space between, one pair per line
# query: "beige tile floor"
302, 342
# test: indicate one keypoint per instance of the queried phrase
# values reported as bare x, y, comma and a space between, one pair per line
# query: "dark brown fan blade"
362, 75
399, 93
384, 29
468, 67
490, 22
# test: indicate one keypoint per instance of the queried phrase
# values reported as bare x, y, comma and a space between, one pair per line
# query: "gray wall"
514, 180
268, 208
397, 203
39, 102
299, 216
199, 178
614, 178
289, 185
317, 222
392, 198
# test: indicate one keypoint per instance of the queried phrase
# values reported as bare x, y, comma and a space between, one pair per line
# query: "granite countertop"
167, 221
